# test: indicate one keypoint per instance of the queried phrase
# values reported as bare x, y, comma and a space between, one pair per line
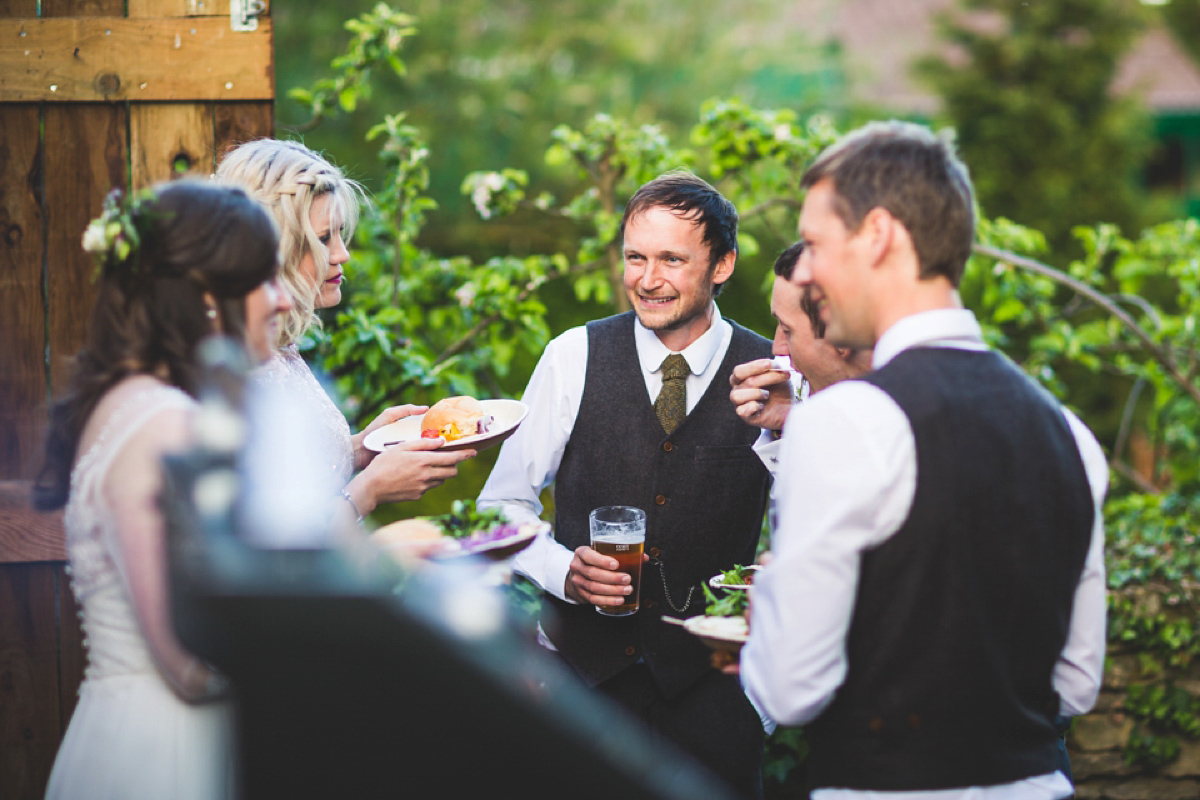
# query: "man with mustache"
594, 431
936, 597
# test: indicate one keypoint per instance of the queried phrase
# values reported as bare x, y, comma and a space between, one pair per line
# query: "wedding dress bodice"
113, 639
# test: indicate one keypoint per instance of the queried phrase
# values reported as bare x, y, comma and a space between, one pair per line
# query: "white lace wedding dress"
131, 737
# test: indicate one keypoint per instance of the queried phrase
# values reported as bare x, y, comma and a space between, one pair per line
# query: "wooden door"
93, 95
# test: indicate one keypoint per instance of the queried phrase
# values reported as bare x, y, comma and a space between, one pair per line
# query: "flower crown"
114, 235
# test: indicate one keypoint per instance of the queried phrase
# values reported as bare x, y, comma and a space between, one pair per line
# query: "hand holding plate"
406, 472
364, 454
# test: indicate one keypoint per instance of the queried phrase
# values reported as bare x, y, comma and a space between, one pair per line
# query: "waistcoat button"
631, 650
661, 500
668, 446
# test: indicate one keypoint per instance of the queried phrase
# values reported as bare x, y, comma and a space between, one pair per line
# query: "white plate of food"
737, 578
719, 633
462, 532
496, 545
493, 420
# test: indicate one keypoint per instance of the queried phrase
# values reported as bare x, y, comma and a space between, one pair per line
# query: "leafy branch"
497, 316
378, 36
1102, 300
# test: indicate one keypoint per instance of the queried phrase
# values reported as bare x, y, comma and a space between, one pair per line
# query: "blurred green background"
1062, 119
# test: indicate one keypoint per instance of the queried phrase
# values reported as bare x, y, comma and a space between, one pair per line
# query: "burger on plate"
455, 418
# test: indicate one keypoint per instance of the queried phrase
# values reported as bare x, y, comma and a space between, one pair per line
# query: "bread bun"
452, 418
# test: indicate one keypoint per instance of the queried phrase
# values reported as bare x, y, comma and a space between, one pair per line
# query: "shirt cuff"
558, 564
768, 448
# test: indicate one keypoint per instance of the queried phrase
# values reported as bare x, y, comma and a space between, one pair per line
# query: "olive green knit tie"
671, 405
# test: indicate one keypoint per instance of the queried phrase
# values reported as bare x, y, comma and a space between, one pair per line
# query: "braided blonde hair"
287, 178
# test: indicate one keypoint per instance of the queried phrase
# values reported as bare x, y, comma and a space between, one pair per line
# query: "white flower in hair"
115, 232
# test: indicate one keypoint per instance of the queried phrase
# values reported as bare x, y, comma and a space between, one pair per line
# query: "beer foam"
620, 537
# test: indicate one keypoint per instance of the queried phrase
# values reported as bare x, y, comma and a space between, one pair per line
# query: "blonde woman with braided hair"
315, 207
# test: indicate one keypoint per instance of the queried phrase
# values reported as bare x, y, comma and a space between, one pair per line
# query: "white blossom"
465, 295
481, 195
94, 239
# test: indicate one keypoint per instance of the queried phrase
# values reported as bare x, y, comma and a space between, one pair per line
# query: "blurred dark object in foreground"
345, 686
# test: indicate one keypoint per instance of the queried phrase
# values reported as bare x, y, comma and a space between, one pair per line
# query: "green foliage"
1172, 709
738, 576
726, 603
488, 80
524, 596
783, 763
1126, 314
415, 326
1183, 17
1152, 542
464, 519
1047, 143
377, 38
1153, 575
1149, 750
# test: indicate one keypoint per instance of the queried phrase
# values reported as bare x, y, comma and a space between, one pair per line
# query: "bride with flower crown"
182, 262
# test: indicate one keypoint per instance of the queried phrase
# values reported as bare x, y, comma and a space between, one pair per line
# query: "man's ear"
724, 268
880, 227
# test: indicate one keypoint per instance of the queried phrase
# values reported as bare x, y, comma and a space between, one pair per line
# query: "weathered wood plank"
82, 8
97, 59
241, 122
30, 716
87, 146
169, 140
26, 534
22, 357
181, 8
18, 8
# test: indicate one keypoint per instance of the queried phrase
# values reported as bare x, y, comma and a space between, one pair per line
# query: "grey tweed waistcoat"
703, 488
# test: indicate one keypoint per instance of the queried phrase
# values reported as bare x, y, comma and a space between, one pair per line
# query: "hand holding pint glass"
619, 532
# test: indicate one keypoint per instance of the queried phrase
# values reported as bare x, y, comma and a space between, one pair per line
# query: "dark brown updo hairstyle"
193, 237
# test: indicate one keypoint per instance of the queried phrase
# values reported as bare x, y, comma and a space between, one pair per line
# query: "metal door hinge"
243, 14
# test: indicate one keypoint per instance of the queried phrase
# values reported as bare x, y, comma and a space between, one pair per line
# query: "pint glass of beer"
620, 532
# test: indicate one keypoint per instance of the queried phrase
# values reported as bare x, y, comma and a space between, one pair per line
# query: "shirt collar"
698, 355
947, 327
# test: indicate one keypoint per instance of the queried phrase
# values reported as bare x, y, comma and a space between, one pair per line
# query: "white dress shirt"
529, 459
846, 483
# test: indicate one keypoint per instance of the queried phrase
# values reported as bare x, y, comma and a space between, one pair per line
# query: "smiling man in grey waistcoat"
595, 431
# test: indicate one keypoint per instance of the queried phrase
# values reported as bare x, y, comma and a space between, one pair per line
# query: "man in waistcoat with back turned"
633, 410
936, 597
